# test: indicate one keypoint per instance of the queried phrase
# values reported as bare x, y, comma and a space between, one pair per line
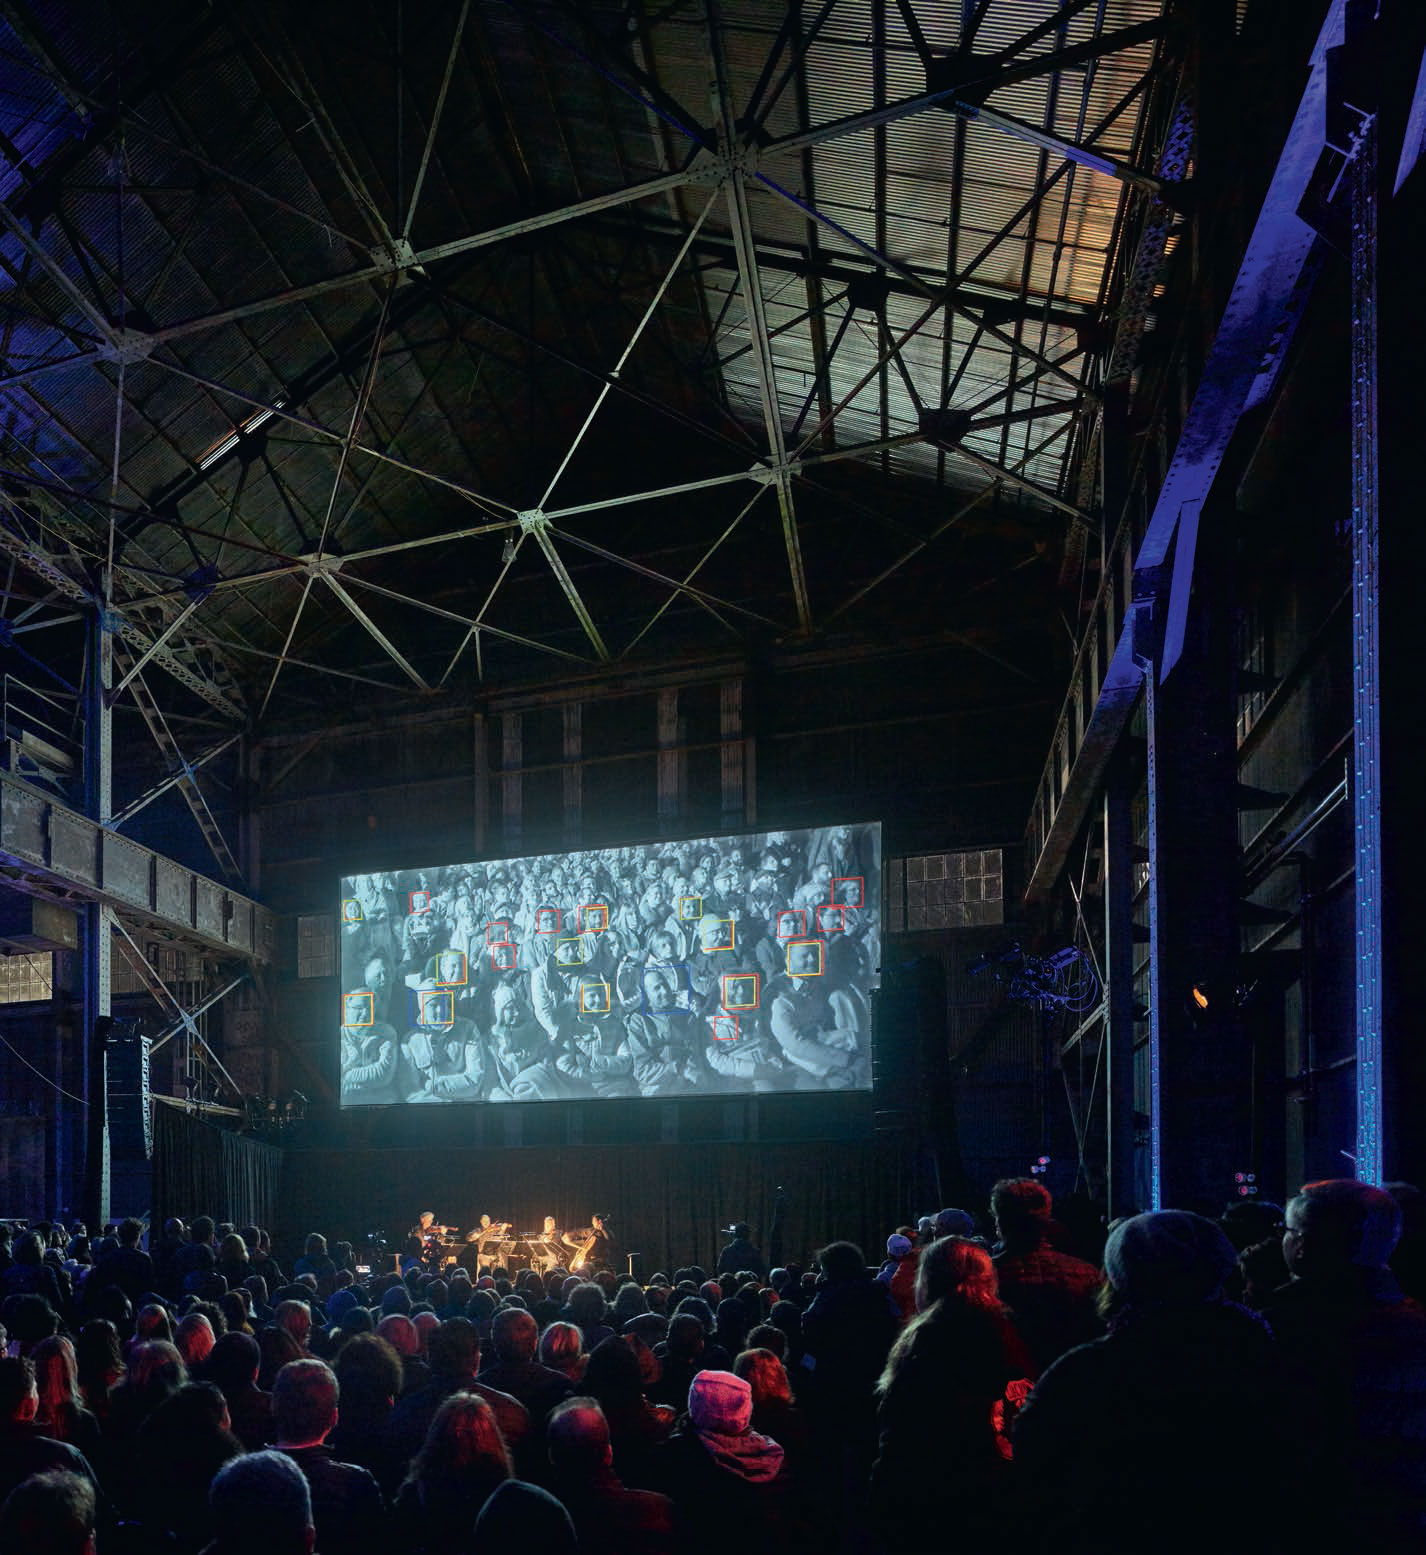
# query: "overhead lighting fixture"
234, 437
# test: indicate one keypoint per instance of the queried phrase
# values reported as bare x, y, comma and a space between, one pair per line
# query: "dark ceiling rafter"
853, 350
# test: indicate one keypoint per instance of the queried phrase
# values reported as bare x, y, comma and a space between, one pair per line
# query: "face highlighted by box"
499, 932
741, 990
805, 958
594, 998
503, 957
849, 890
592, 918
791, 924
359, 1009
435, 1008
451, 969
725, 1026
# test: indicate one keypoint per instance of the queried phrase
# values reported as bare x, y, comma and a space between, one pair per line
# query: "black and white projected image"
717, 965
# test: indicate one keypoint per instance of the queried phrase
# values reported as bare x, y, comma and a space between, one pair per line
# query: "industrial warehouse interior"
653, 640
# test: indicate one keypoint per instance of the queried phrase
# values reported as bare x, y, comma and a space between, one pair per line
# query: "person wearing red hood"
728, 1482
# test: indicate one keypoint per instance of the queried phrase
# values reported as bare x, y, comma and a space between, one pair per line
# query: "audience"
1355, 1351
463, 1459
53, 1511
348, 1510
947, 1372
1051, 1294
715, 1460
1141, 1428
515, 1336
812, 1407
261, 1505
609, 1518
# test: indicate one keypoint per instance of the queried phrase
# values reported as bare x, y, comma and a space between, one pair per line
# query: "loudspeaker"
130, 1122
908, 1056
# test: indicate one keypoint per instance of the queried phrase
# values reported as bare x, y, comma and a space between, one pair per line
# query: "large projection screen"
711, 966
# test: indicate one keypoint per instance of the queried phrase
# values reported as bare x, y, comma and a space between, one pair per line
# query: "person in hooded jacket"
724, 1476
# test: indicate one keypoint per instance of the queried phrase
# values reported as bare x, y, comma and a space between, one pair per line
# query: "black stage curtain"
666, 1203
202, 1170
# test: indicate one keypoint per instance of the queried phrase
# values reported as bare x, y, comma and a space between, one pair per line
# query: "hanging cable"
28, 1065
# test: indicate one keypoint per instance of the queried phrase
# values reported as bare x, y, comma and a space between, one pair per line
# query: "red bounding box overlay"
503, 957
498, 932
725, 1027
419, 902
435, 1007
792, 923
831, 919
451, 969
741, 990
548, 920
802, 969
592, 918
594, 998
849, 890
369, 1002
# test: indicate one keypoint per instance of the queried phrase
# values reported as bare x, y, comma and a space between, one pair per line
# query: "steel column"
1119, 989
730, 715
98, 804
1366, 679
671, 761
572, 715
512, 788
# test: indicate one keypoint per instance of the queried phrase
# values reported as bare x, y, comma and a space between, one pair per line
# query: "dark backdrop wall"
202, 1170
667, 1202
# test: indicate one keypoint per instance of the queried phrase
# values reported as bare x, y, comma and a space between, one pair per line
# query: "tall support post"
1148, 637
98, 805
481, 762
573, 717
670, 762
512, 779
1123, 1195
1366, 678
250, 812
730, 714
1200, 1062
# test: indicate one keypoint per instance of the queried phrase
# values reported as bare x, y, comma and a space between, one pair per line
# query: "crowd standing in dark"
1251, 1384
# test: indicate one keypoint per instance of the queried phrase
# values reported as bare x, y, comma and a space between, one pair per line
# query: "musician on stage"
424, 1238
546, 1249
487, 1238
584, 1245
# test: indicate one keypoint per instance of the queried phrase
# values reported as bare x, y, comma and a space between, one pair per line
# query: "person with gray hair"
1124, 1440
1355, 1349
261, 1506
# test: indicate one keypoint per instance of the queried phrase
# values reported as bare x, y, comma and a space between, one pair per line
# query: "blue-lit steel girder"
1366, 673
1242, 366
